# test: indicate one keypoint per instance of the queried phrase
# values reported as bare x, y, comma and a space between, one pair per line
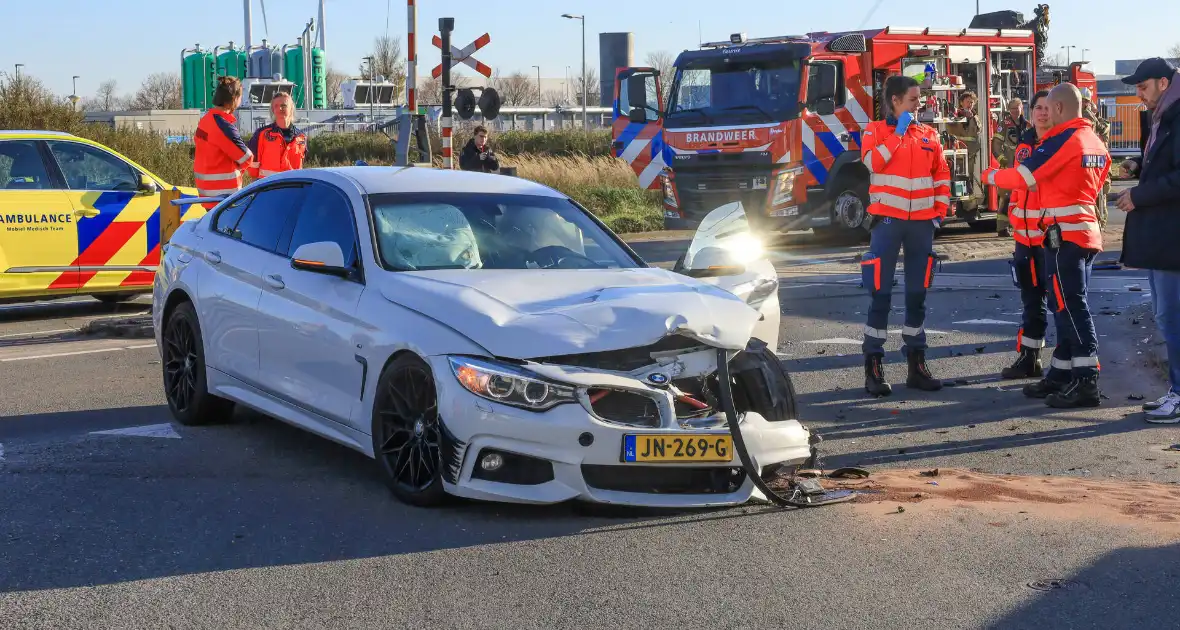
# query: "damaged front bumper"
578, 450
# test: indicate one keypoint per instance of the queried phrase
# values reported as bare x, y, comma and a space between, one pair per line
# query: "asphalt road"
253, 524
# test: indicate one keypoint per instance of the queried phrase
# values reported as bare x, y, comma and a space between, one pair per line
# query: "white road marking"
988, 322
798, 286
1, 452
928, 332
77, 352
148, 430
34, 333
837, 340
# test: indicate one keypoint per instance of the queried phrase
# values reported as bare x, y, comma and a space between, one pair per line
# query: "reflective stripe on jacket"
221, 154
1024, 211
276, 150
1067, 170
908, 176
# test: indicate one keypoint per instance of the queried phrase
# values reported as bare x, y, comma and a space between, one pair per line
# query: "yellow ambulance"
77, 218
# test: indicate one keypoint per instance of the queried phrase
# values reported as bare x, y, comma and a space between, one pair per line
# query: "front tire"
407, 432
850, 217
185, 384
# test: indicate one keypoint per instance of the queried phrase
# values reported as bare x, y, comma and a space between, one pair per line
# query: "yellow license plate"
677, 448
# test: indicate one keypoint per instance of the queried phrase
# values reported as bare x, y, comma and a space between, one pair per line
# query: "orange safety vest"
1067, 170
273, 153
220, 155
908, 176
1024, 209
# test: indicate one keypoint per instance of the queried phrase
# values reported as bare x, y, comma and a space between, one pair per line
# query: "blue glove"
903, 123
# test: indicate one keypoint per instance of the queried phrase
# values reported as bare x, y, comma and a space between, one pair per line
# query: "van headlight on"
784, 187
509, 385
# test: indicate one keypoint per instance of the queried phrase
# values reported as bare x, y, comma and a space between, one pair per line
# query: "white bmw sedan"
481, 336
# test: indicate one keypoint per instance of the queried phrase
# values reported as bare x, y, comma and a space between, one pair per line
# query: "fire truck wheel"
850, 210
987, 225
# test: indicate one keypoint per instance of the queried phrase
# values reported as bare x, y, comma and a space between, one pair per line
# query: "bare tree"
554, 98
661, 60
516, 89
592, 85
1055, 59
1174, 52
333, 78
387, 61
159, 91
430, 90
108, 93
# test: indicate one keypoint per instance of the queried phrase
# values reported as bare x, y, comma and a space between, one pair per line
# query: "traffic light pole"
445, 27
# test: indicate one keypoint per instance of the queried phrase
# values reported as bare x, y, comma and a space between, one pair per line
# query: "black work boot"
1044, 387
919, 376
875, 383
1081, 392
1028, 365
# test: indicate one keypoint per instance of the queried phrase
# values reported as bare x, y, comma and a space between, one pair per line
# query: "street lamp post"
538, 85
1084, 51
18, 67
585, 87
74, 96
371, 116
1067, 51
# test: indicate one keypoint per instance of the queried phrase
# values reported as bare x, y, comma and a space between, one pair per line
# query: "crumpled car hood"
524, 314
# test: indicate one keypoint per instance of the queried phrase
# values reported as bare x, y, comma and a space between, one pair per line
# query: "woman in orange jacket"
909, 193
1028, 261
221, 154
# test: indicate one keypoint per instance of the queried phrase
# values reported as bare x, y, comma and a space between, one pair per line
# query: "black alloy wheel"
408, 433
183, 361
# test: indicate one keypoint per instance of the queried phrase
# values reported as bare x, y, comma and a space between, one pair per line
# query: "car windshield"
723, 90
422, 231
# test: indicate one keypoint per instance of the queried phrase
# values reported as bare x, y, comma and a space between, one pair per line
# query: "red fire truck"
776, 122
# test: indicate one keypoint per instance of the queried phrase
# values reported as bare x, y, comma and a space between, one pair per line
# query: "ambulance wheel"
185, 384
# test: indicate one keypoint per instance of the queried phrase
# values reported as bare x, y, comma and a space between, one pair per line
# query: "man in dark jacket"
1153, 217
477, 155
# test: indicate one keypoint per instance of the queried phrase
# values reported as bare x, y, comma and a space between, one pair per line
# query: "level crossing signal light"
488, 103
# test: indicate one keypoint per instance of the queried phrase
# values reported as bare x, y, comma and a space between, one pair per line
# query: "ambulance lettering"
33, 219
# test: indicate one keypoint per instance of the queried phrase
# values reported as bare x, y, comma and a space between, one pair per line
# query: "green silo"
293, 72
319, 80
232, 63
196, 73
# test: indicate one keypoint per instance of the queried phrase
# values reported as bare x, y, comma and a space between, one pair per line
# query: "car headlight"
509, 385
744, 247
784, 187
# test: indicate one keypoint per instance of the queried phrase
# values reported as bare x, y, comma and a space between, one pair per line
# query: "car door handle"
213, 257
87, 212
275, 281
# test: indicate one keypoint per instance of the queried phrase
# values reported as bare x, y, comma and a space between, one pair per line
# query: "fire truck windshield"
722, 89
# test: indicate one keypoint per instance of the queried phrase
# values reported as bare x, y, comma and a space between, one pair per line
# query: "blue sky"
129, 39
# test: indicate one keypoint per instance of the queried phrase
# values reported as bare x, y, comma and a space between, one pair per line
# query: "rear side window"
227, 220
89, 168
264, 221
21, 166
326, 216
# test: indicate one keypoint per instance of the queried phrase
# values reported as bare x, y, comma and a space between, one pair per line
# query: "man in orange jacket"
279, 146
220, 154
1067, 170
909, 193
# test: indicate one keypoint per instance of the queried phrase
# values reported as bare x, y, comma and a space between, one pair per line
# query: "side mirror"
637, 115
825, 107
637, 90
146, 185
322, 257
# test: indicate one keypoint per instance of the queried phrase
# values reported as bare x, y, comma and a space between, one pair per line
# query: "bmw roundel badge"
658, 378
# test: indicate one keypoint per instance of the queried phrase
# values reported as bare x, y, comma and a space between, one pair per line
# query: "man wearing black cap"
1153, 218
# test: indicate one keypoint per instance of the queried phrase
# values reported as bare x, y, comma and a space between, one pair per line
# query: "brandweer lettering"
722, 136
33, 219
